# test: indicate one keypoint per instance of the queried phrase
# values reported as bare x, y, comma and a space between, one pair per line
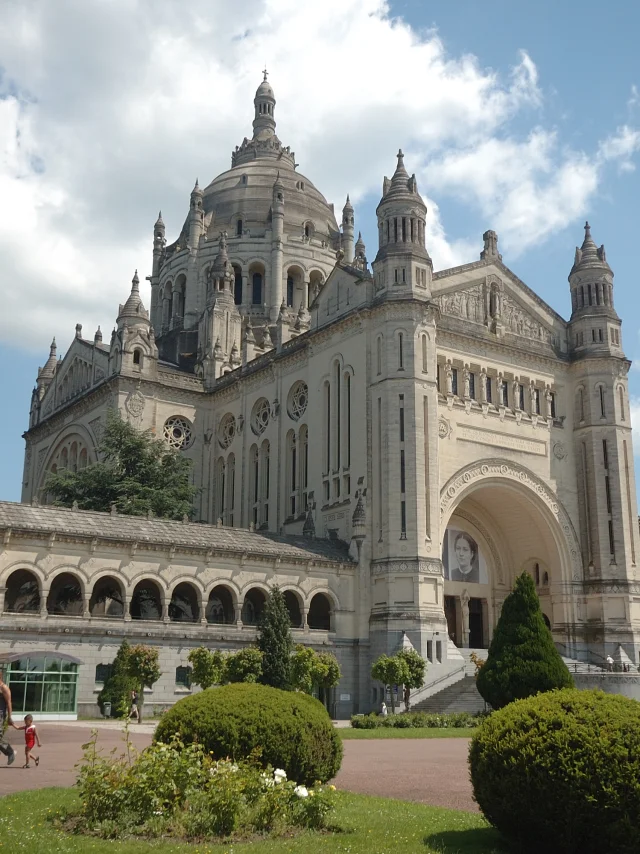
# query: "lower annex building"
391, 446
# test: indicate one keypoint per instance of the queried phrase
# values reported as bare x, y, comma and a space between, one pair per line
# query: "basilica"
388, 443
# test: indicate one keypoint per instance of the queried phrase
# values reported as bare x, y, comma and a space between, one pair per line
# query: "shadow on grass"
481, 840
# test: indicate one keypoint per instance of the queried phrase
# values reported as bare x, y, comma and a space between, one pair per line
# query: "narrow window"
581, 404
521, 396
402, 473
290, 291
307, 231
347, 389
137, 357
621, 395
581, 296
603, 411
239, 228
605, 454
590, 295
537, 574
256, 296
379, 356
536, 401
593, 334
328, 426
424, 354
183, 677
505, 393
402, 418
395, 231
400, 351
599, 334
612, 547
472, 386
454, 381
553, 404
404, 233
438, 377
403, 520
403, 275
607, 486
488, 389
395, 276
237, 286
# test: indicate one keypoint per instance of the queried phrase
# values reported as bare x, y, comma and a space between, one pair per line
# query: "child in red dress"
30, 738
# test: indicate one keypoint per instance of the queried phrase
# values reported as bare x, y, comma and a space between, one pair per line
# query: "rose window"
298, 398
227, 430
260, 416
178, 433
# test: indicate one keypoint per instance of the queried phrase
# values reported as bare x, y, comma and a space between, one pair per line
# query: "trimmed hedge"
560, 772
291, 730
416, 719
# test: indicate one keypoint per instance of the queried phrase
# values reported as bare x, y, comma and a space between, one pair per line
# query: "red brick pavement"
429, 771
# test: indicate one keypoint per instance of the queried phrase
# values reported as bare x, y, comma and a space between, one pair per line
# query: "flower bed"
173, 790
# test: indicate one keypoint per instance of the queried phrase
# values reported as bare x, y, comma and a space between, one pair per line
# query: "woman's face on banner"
463, 554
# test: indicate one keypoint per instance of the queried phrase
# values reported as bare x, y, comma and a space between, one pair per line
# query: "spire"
97, 338
49, 368
159, 221
589, 255
135, 283
264, 123
133, 307
196, 189
348, 206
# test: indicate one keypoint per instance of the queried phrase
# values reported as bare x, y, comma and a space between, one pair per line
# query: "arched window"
425, 362
73, 457
65, 596
400, 351
231, 488
379, 355
183, 607
259, 485
107, 599
580, 404
320, 613
265, 482
220, 490
307, 232
239, 228
253, 606
137, 357
220, 606
621, 396
603, 409
303, 457
293, 607
292, 474
256, 289
146, 603
22, 592
290, 291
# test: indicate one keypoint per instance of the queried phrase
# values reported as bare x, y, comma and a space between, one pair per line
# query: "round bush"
560, 772
292, 730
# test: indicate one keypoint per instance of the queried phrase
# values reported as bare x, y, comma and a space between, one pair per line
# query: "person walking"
5, 721
30, 738
133, 711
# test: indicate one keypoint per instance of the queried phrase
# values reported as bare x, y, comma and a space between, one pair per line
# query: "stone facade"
448, 428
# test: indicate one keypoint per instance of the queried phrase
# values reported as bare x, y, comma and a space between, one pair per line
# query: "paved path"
430, 771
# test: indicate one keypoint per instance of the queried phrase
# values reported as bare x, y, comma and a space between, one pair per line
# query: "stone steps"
462, 696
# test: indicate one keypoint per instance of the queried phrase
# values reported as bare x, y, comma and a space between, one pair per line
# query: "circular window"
298, 398
260, 416
227, 430
178, 432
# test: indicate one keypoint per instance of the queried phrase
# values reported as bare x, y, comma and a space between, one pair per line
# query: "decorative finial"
53, 346
587, 230
78, 330
98, 336
266, 74
400, 157
135, 282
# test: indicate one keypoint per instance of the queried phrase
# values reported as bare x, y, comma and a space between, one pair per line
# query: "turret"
158, 243
133, 347
275, 295
196, 216
594, 326
360, 259
347, 232
402, 264
47, 372
264, 123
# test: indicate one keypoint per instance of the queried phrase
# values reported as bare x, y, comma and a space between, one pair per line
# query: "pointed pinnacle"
135, 282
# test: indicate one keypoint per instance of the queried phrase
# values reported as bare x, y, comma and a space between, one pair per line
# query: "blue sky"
520, 117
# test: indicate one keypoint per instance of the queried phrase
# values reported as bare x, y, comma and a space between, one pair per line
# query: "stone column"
203, 611
2, 592
43, 602
87, 601
305, 616
127, 609
238, 612
165, 611
464, 601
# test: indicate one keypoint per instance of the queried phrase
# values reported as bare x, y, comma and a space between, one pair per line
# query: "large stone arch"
500, 472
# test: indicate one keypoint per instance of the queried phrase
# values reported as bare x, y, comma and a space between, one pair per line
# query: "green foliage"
310, 669
291, 730
182, 791
560, 772
206, 666
274, 641
136, 472
432, 720
390, 670
142, 665
119, 684
522, 658
242, 666
416, 666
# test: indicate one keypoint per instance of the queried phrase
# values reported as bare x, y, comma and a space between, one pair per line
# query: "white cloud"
108, 111
620, 147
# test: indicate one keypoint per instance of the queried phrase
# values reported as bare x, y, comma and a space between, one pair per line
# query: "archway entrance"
498, 521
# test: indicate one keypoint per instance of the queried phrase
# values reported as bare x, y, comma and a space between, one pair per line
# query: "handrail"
442, 678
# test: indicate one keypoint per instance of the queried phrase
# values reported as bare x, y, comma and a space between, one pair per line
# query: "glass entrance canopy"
43, 684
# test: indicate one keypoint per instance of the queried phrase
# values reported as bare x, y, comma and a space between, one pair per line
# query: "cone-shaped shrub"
560, 773
522, 658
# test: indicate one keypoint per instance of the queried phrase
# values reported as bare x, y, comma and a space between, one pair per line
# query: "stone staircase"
462, 696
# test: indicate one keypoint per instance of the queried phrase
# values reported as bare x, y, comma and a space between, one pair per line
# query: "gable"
82, 366
345, 289
491, 296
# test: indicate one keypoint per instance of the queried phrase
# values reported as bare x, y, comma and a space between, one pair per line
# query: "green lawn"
409, 732
367, 826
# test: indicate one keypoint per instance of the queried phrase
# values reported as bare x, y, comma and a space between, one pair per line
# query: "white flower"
234, 767
279, 775
301, 791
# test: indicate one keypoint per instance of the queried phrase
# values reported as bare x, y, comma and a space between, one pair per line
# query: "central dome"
245, 192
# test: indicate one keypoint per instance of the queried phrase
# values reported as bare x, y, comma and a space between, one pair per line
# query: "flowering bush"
182, 791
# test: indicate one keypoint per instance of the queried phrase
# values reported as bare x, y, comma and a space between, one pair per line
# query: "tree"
390, 670
118, 685
311, 669
522, 659
206, 666
144, 668
416, 666
136, 472
274, 641
242, 666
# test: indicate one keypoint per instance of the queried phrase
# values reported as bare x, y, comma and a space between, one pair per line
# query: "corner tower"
604, 452
402, 266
